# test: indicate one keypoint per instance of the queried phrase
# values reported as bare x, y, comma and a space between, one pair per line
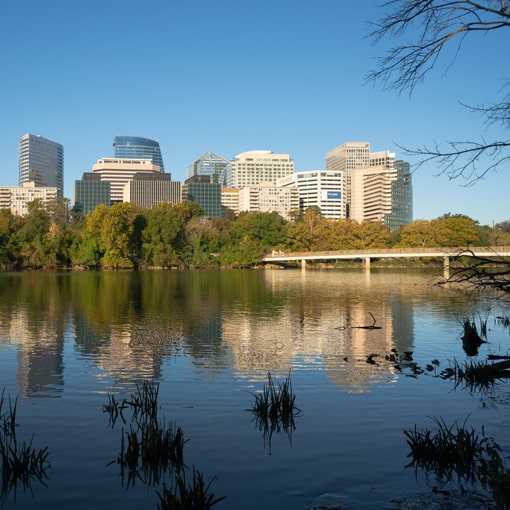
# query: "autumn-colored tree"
116, 237
302, 234
373, 235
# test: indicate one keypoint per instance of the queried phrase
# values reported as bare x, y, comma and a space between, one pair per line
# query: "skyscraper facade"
319, 188
90, 192
118, 171
209, 164
382, 194
41, 161
204, 191
402, 193
345, 158
257, 167
136, 147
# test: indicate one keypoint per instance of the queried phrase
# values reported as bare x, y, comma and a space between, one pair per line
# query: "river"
209, 339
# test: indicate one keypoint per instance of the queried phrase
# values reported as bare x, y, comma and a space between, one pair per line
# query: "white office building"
319, 188
17, 198
269, 198
257, 167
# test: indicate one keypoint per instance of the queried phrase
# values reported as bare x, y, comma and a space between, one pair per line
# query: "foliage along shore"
180, 236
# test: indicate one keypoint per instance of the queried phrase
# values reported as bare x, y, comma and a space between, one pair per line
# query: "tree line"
125, 236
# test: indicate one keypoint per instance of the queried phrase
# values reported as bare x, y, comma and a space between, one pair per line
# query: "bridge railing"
491, 251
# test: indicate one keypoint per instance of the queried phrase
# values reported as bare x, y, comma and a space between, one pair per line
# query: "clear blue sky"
231, 76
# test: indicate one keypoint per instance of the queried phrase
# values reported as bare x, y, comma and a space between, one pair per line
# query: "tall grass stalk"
274, 409
188, 496
20, 462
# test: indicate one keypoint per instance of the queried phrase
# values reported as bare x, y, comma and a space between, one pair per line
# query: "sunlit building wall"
319, 188
149, 190
17, 198
118, 171
257, 167
229, 200
345, 158
269, 198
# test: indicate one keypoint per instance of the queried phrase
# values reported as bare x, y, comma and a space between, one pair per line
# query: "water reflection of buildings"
323, 322
40, 353
126, 353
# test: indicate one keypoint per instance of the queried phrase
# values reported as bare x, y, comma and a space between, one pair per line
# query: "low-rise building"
17, 198
267, 197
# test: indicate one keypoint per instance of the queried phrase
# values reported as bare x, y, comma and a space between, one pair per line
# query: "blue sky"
232, 76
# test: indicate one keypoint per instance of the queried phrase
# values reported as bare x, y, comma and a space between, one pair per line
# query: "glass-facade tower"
136, 147
209, 164
41, 161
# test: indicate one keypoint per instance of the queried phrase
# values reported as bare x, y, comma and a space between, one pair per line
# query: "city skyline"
281, 76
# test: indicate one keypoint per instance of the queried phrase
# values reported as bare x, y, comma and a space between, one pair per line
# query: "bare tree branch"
436, 27
434, 24
462, 158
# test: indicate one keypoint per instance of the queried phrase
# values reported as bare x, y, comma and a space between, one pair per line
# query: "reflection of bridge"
491, 252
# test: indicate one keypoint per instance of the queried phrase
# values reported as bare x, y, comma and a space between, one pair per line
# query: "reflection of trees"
126, 323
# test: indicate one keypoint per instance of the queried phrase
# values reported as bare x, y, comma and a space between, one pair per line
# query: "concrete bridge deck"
450, 252
491, 252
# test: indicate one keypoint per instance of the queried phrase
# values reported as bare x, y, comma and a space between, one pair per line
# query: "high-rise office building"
382, 194
319, 188
136, 147
41, 161
118, 171
345, 158
377, 188
150, 190
402, 193
257, 167
209, 164
90, 192
204, 191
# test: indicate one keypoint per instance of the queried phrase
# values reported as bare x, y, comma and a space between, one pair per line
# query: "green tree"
117, 237
88, 251
201, 237
8, 227
32, 237
163, 226
251, 236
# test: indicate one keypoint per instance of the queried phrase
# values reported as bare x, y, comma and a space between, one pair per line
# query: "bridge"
492, 252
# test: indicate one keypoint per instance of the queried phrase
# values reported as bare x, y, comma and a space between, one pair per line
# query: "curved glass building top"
133, 147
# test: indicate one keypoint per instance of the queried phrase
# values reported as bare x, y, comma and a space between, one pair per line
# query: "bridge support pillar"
446, 267
366, 262
303, 264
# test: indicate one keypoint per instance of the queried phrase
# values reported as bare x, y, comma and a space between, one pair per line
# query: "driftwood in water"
372, 326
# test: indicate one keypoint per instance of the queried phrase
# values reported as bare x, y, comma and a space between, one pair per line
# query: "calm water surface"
69, 340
